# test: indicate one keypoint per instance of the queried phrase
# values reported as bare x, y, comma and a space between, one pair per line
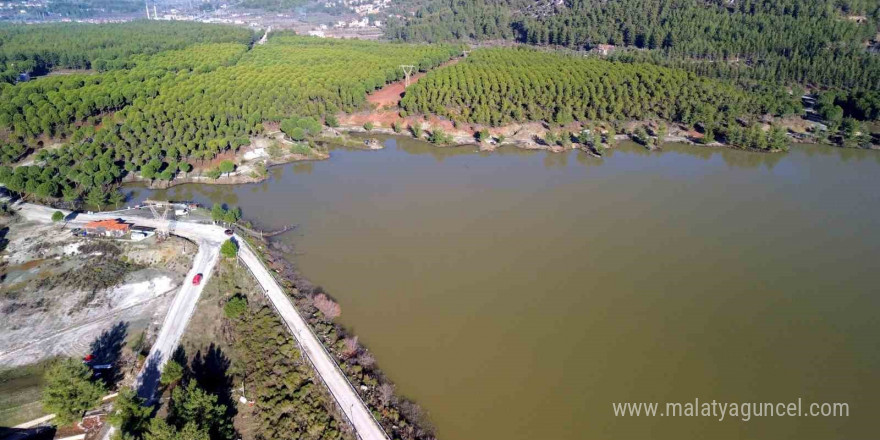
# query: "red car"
197, 279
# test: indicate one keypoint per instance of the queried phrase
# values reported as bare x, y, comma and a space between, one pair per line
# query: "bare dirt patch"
389, 96
59, 293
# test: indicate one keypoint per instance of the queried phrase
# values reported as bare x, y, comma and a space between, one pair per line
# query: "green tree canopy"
69, 390
229, 249
130, 415
227, 166
172, 373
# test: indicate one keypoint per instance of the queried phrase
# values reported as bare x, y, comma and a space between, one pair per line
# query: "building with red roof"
107, 228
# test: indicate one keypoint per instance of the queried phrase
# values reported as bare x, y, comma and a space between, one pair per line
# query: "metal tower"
407, 71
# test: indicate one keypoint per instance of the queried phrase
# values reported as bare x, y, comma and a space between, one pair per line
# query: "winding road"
209, 238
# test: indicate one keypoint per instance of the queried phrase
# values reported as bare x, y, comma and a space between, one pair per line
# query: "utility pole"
155, 15
147, 7
165, 224
407, 71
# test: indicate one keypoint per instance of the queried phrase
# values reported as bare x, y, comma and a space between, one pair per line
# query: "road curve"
209, 239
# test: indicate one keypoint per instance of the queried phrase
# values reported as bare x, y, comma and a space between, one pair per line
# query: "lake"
518, 294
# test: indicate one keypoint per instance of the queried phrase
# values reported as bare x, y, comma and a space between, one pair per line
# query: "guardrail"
302, 351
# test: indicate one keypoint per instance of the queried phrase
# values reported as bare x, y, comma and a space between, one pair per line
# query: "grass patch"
300, 148
20, 392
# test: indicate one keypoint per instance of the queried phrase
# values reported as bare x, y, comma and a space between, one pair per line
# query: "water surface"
517, 294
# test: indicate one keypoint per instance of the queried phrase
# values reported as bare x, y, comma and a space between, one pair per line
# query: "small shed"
139, 233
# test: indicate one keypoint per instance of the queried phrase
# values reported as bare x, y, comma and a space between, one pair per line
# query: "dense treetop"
82, 8
807, 41
38, 48
155, 115
290, 403
497, 86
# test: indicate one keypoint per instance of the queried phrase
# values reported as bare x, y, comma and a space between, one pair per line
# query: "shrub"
331, 121
274, 150
213, 173
368, 125
300, 149
57, 216
235, 307
327, 306
438, 136
297, 134
483, 135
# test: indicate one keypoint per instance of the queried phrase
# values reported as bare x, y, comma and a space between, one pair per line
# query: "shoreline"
463, 138
238, 177
396, 413
519, 135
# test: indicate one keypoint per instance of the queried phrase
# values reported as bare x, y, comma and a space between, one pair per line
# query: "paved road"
351, 404
209, 238
178, 316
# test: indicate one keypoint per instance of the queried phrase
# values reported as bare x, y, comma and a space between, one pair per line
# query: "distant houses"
603, 49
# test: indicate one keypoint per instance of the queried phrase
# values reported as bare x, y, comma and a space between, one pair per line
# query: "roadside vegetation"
236, 346
400, 417
191, 413
71, 390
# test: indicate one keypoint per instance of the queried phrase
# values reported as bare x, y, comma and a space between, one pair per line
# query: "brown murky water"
517, 294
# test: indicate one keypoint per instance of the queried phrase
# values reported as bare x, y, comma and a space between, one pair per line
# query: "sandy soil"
60, 293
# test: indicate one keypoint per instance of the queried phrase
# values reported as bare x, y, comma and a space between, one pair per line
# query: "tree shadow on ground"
3, 240
38, 433
211, 373
107, 349
180, 357
149, 378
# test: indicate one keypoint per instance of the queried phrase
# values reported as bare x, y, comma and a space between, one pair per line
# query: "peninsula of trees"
156, 115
